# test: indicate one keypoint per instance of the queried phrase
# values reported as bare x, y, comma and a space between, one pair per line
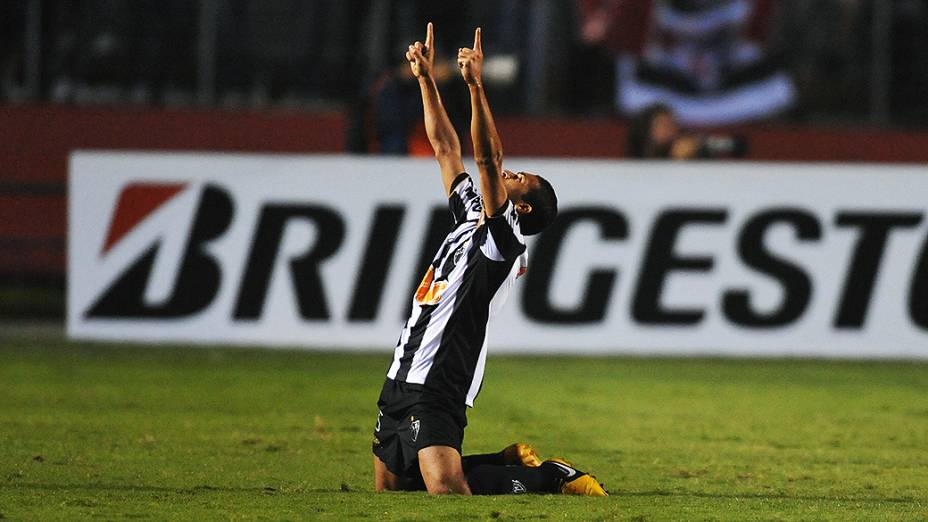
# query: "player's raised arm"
438, 126
488, 150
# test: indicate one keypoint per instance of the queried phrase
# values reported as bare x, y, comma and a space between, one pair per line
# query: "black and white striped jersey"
443, 346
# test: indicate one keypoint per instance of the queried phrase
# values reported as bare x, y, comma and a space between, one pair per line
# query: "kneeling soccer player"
439, 360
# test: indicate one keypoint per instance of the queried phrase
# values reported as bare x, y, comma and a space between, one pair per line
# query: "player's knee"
443, 489
439, 489
448, 486
389, 485
384, 480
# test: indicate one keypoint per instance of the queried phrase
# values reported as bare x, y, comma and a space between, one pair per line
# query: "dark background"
329, 76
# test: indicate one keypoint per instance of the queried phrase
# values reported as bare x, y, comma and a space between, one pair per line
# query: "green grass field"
115, 432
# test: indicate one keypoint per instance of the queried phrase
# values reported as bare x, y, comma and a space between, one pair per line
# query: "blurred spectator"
712, 61
388, 112
388, 116
388, 119
655, 133
709, 60
391, 25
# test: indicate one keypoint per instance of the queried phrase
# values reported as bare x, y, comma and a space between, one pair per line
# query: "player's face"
518, 184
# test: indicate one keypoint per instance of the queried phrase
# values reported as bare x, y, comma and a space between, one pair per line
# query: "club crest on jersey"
430, 291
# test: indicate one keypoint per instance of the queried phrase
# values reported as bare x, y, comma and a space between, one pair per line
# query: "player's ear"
523, 207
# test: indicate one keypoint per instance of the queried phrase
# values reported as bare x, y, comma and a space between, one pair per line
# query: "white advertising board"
653, 258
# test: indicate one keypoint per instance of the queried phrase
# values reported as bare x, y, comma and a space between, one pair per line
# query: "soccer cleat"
577, 482
523, 454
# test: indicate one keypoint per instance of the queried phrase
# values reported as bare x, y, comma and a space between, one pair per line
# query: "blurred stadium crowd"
712, 61
828, 80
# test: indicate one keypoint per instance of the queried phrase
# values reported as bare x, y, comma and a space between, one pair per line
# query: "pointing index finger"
429, 37
477, 46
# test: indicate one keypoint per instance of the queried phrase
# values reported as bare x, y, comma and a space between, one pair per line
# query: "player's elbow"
443, 150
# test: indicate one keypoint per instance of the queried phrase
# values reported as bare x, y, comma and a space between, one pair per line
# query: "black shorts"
409, 420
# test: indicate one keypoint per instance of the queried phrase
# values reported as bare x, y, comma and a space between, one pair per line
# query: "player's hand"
471, 61
421, 56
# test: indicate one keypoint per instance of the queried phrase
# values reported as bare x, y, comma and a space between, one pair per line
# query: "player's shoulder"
463, 181
464, 200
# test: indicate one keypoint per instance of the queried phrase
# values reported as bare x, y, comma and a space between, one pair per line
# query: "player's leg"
442, 471
518, 454
384, 479
552, 476
488, 479
513, 470
518, 469
394, 469
436, 432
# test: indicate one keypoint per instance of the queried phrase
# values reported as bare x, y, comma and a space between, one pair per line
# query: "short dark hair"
544, 208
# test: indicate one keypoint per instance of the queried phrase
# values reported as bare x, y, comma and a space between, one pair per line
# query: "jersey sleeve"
464, 201
503, 240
